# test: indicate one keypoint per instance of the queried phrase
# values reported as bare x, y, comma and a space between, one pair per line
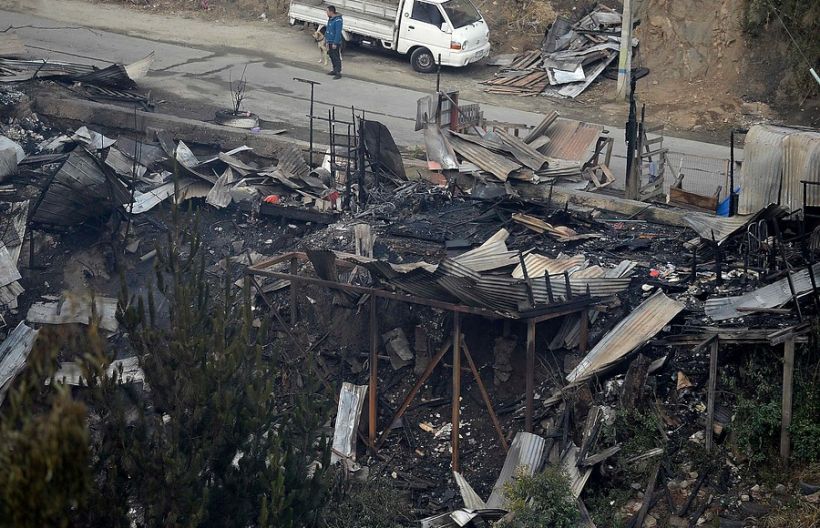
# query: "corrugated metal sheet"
462, 517
471, 499
351, 401
801, 161
722, 227
571, 140
537, 265
424, 284
14, 352
569, 334
71, 373
80, 191
74, 308
542, 127
522, 152
762, 169
598, 286
490, 255
772, 296
440, 154
291, 161
497, 165
634, 330
577, 477
525, 455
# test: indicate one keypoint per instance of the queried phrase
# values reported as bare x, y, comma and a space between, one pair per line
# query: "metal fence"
701, 175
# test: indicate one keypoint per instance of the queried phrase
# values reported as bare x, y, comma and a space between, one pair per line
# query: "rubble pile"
572, 56
117, 82
471, 336
490, 157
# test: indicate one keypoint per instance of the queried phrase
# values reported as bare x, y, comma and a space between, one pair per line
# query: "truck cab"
450, 30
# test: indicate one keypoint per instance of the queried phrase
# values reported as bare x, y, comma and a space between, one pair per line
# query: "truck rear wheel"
423, 61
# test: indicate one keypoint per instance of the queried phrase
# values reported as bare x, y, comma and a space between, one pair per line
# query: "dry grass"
212, 9
797, 515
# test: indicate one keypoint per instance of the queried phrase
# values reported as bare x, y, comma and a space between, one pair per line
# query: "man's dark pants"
335, 59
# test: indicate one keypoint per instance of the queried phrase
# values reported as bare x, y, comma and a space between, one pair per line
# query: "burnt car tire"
423, 61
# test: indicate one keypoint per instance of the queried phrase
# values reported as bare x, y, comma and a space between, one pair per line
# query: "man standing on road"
333, 37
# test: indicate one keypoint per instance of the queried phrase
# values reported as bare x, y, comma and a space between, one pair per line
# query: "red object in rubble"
272, 199
654, 273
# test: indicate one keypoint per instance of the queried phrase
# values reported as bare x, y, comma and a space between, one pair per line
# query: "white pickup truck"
453, 30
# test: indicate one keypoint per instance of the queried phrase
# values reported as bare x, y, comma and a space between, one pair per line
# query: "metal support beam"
294, 292
583, 339
486, 397
710, 402
530, 376
788, 373
456, 387
373, 389
405, 404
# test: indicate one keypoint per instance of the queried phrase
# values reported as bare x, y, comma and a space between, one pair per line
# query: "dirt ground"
707, 76
725, 86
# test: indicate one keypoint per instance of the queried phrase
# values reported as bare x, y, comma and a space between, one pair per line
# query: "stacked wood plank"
523, 77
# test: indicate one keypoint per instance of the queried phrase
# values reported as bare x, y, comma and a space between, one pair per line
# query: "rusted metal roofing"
571, 140
522, 152
771, 296
633, 331
497, 165
762, 168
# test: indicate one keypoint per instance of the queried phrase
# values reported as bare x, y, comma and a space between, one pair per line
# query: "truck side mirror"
445, 28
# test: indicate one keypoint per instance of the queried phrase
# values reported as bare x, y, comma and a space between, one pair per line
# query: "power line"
794, 41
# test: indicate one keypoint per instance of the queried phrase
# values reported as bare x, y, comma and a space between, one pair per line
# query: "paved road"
201, 76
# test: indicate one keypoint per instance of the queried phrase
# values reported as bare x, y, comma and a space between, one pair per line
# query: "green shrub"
373, 504
541, 500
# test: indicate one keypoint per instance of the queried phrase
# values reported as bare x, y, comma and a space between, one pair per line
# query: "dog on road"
319, 37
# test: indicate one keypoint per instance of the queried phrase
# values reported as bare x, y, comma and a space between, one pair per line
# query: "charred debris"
478, 313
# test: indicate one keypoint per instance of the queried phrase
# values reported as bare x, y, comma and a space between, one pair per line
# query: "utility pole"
625, 54
632, 157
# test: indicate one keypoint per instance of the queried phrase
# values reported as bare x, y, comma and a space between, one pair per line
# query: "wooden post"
710, 402
456, 387
530, 375
486, 397
625, 55
412, 394
294, 291
372, 393
788, 373
583, 339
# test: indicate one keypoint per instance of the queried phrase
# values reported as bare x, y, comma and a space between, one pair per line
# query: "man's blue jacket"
333, 31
